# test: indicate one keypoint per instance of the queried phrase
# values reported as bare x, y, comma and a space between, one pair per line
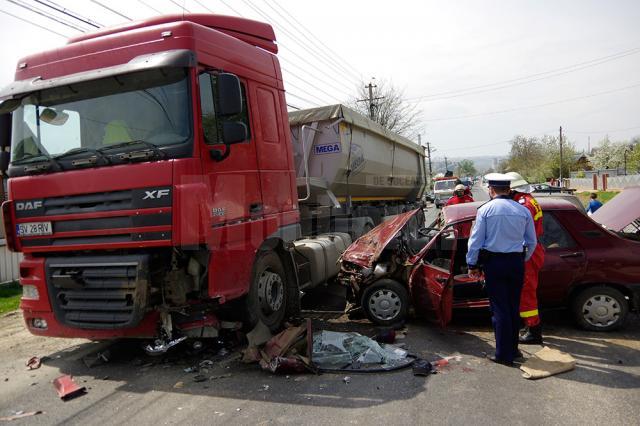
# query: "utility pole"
371, 99
371, 106
428, 157
561, 156
446, 165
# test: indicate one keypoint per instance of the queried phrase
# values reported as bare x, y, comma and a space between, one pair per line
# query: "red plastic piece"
68, 389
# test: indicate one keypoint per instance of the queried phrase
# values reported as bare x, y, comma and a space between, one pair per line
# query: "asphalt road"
135, 389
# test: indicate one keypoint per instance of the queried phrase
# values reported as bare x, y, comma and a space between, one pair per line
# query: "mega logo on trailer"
327, 148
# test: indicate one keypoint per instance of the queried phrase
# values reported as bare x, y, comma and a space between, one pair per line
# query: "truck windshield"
444, 185
150, 107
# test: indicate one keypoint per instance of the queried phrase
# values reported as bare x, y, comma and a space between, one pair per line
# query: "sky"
480, 71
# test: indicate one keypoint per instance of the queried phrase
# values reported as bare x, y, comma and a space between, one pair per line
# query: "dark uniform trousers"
504, 277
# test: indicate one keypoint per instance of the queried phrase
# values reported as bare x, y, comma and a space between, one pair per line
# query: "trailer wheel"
270, 292
386, 302
600, 308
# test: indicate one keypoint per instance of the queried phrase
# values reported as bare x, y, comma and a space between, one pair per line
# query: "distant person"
594, 204
460, 196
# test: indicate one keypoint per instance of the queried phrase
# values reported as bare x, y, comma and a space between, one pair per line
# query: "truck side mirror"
4, 162
5, 141
229, 95
233, 132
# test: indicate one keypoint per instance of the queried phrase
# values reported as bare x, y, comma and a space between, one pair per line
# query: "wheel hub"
601, 310
270, 292
384, 304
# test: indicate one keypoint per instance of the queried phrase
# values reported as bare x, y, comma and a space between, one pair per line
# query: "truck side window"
210, 123
555, 236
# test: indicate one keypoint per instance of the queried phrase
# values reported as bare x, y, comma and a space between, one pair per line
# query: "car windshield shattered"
96, 120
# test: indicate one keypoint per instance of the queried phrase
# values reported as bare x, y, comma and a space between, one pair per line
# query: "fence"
9, 263
614, 183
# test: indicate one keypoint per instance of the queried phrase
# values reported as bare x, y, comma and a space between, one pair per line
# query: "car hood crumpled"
366, 249
621, 210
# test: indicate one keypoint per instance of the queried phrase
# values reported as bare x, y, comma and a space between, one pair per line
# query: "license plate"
34, 228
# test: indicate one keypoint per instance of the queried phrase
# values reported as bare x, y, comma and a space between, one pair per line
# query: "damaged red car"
588, 267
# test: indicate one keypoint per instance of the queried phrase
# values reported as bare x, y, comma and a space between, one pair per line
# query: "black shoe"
499, 361
533, 336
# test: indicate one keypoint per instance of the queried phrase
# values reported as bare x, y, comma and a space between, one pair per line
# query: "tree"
633, 155
538, 159
608, 155
466, 168
390, 109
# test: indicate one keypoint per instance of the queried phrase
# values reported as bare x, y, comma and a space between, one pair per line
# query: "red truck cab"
151, 182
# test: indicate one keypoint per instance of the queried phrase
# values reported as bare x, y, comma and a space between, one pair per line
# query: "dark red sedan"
589, 268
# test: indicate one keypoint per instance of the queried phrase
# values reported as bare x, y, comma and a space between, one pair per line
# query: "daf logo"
28, 205
154, 195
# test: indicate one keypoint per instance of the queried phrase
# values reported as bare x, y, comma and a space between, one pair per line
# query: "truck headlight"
30, 292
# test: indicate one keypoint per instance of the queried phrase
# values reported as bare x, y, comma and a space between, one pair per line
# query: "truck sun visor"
179, 58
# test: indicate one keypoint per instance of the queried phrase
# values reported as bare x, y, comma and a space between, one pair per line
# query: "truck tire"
270, 294
600, 308
386, 302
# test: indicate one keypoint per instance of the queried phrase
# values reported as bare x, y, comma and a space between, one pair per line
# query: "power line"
314, 86
319, 41
180, 6
47, 15
328, 56
230, 7
150, 7
34, 24
343, 90
67, 12
267, 17
110, 10
525, 79
315, 104
601, 131
307, 93
535, 106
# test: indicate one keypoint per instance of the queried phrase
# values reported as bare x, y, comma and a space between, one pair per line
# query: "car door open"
431, 280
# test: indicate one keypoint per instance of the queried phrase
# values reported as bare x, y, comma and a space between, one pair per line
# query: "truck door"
234, 185
276, 174
431, 280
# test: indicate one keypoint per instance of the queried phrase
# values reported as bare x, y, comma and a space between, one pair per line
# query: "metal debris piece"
264, 388
20, 415
34, 363
199, 378
346, 379
68, 389
159, 346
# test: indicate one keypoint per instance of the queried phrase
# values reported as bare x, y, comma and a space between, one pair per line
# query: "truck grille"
99, 292
132, 216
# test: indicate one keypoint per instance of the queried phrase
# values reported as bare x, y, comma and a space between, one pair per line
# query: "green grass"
603, 196
9, 297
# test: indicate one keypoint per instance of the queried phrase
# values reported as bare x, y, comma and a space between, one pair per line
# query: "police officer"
502, 239
532, 333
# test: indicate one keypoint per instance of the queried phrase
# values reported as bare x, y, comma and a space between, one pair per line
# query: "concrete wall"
9, 263
613, 183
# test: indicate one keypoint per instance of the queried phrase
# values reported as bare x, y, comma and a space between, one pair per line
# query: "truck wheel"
386, 302
601, 308
270, 292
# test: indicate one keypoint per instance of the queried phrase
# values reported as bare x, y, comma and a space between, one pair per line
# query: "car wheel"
600, 308
386, 302
270, 293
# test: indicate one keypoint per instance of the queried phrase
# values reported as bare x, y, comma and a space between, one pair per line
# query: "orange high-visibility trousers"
528, 297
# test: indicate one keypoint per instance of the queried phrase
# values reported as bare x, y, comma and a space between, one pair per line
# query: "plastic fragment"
67, 388
34, 363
